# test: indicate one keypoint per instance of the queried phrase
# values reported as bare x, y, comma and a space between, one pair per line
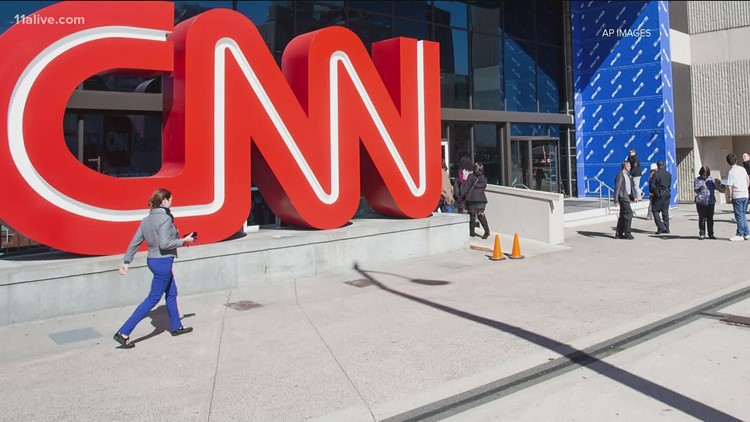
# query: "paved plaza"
596, 329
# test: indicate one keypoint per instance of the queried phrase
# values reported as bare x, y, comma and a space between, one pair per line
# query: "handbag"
463, 197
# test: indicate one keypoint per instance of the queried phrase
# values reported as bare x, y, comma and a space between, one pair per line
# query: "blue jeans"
740, 205
162, 284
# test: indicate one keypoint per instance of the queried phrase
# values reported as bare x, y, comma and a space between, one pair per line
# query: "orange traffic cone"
497, 254
516, 253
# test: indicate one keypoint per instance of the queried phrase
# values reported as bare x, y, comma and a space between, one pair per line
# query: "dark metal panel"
678, 16
683, 105
117, 101
457, 114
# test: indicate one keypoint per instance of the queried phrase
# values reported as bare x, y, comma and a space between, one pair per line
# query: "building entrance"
534, 164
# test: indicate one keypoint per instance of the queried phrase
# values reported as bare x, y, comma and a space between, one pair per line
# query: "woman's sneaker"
736, 238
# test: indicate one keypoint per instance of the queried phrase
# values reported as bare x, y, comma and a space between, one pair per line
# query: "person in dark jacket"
660, 189
459, 187
476, 200
624, 193
705, 202
635, 172
161, 236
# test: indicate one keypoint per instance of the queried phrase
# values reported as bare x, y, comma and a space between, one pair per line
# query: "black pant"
705, 219
660, 207
625, 218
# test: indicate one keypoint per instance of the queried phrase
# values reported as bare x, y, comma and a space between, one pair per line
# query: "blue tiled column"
622, 76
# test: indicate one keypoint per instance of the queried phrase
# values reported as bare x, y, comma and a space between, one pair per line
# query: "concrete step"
600, 215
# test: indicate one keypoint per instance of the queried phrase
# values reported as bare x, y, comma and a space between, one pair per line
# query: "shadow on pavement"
413, 280
160, 322
574, 356
674, 236
596, 234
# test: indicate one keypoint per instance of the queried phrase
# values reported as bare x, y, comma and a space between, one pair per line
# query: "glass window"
274, 20
412, 9
117, 144
487, 151
459, 144
524, 129
486, 17
520, 75
122, 83
486, 65
184, 10
520, 173
370, 28
316, 16
14, 12
544, 165
454, 66
337, 3
70, 132
372, 6
411, 29
549, 74
549, 22
451, 13
519, 19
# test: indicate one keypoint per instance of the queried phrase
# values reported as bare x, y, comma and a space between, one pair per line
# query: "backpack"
703, 197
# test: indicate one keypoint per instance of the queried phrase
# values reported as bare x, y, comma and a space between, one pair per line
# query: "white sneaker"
736, 238
747, 237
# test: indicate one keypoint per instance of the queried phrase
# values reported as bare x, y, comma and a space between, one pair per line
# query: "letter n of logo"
332, 123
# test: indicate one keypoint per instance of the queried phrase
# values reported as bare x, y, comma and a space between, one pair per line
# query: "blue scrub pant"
162, 284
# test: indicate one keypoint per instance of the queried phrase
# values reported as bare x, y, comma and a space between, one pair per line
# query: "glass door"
535, 164
520, 173
459, 144
544, 165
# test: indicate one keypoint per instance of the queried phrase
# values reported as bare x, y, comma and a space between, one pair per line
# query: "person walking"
746, 165
737, 183
649, 213
635, 172
459, 188
624, 193
446, 196
705, 202
161, 236
660, 189
476, 200
539, 176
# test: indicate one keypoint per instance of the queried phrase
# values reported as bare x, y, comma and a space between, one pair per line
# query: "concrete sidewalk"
417, 337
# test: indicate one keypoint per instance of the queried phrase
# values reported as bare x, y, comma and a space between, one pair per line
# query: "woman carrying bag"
476, 200
705, 201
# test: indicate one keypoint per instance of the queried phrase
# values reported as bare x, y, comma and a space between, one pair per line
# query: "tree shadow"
422, 281
572, 356
160, 322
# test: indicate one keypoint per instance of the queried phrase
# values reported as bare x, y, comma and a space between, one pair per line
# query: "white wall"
532, 214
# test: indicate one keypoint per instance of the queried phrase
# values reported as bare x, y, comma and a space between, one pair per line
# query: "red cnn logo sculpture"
331, 125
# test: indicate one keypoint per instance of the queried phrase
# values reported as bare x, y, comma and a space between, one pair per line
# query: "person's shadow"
160, 322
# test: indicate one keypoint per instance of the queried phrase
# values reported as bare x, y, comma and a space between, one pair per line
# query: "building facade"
549, 96
711, 65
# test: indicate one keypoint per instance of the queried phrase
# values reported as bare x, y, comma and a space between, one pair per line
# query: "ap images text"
626, 33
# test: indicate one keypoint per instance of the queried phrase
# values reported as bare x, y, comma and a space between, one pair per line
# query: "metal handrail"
602, 185
521, 185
